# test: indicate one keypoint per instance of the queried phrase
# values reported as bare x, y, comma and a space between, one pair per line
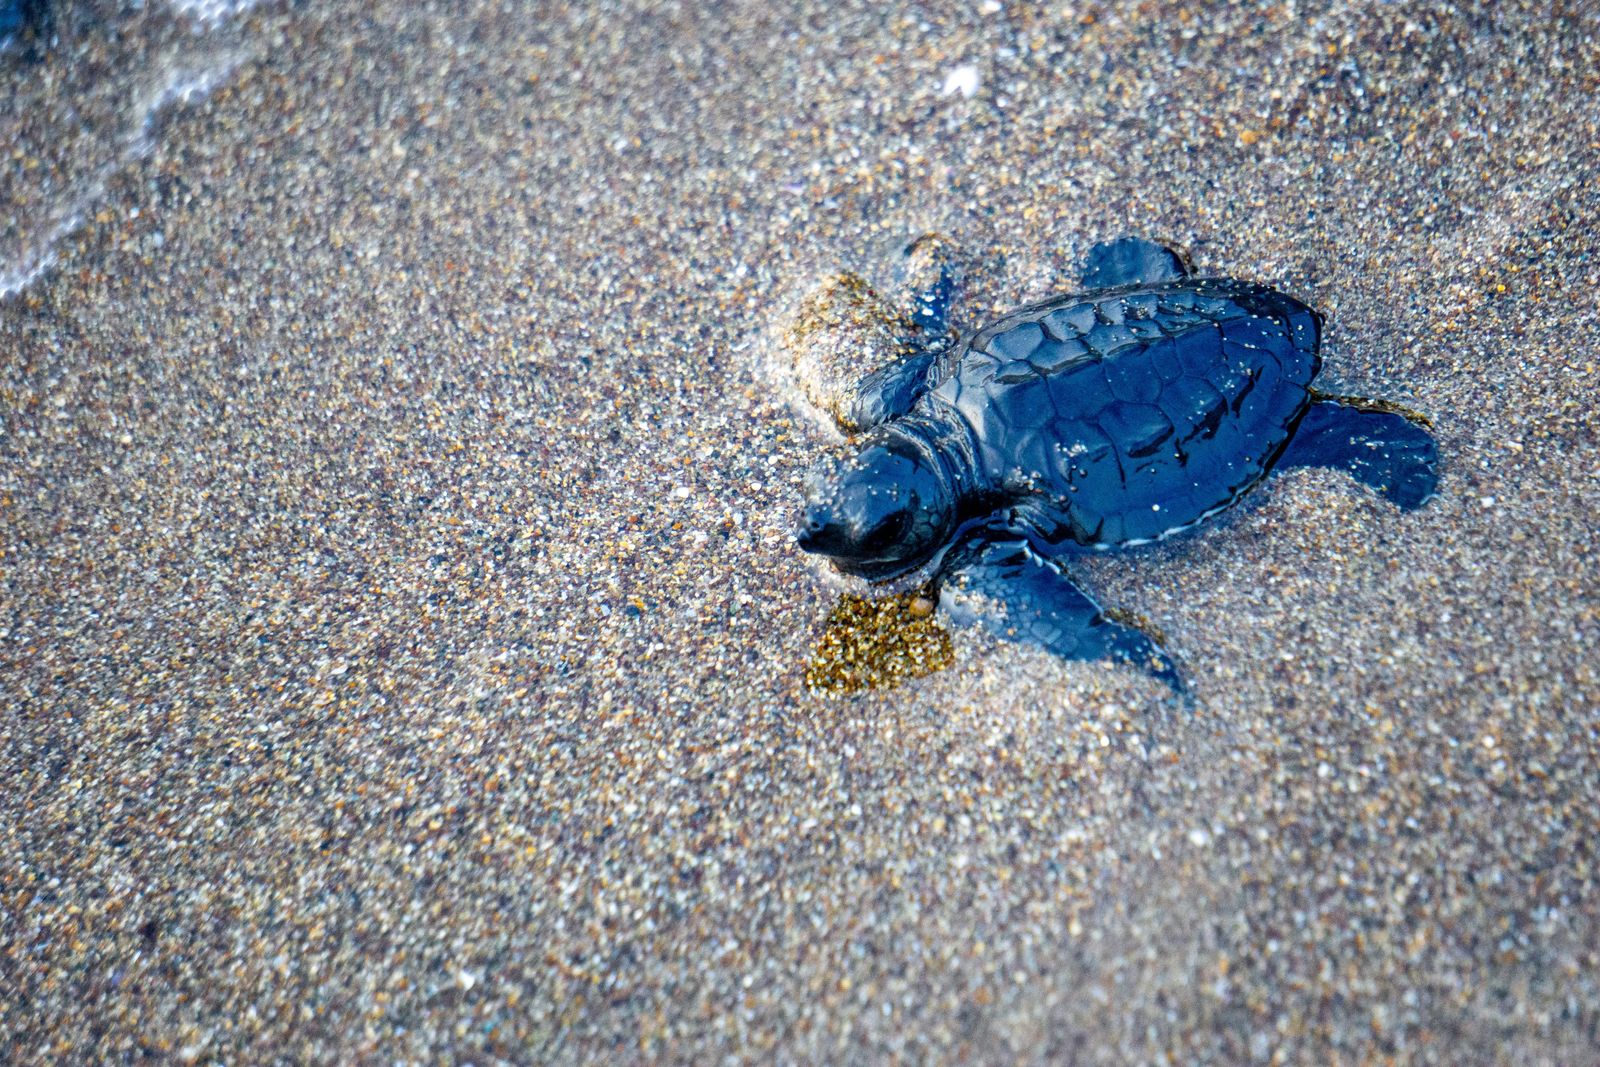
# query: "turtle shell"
1130, 413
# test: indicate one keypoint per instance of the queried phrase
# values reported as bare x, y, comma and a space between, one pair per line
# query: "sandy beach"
403, 654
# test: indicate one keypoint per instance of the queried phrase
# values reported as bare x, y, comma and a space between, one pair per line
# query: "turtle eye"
888, 533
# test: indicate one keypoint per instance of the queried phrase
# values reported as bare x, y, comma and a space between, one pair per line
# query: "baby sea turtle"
1116, 416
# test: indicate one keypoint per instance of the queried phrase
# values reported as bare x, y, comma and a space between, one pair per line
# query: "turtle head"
883, 511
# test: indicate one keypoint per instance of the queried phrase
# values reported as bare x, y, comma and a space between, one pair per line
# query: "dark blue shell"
1131, 412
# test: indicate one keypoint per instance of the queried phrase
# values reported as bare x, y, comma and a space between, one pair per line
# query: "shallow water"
88, 91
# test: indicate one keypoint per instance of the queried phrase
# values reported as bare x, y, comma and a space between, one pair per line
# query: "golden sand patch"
878, 643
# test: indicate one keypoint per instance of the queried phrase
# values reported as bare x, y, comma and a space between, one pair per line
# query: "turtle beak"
817, 531
810, 534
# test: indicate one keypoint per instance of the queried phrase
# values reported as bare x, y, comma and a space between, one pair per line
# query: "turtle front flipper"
861, 360
1130, 261
927, 279
889, 392
1376, 444
997, 577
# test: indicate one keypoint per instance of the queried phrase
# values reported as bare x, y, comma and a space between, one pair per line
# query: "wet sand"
402, 654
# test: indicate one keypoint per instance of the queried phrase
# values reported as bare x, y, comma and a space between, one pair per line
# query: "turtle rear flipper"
1025, 597
1383, 449
1129, 261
